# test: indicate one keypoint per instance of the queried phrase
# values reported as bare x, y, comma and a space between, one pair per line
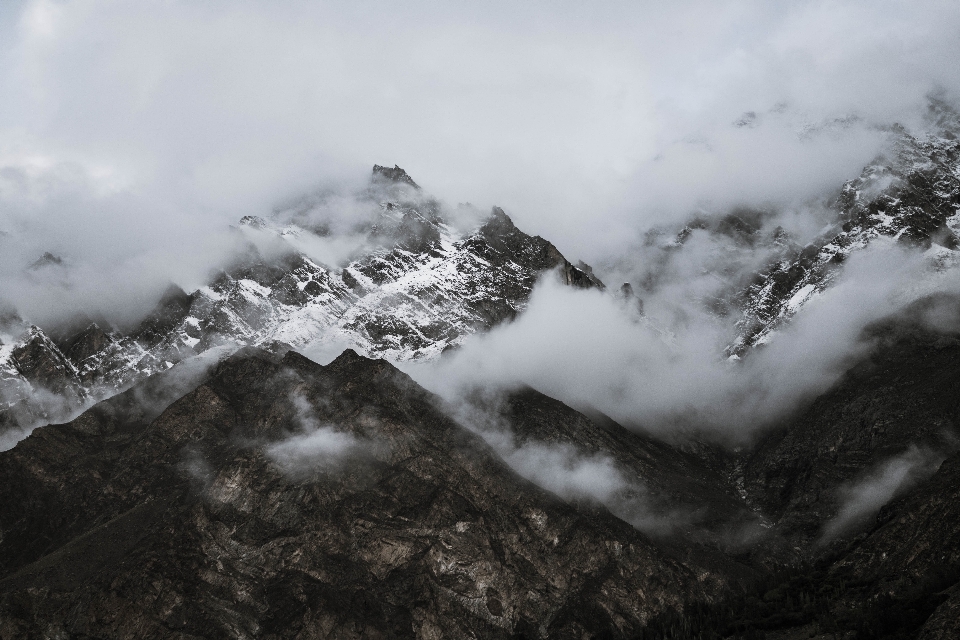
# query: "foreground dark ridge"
183, 525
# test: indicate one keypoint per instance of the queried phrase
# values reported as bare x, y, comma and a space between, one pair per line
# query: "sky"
133, 134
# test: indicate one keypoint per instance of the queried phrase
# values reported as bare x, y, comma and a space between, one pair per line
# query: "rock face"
665, 491
280, 498
419, 287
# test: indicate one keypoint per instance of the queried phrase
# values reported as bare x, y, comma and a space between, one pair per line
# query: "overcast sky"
130, 133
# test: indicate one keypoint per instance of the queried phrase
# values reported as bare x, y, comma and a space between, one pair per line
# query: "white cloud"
669, 373
864, 497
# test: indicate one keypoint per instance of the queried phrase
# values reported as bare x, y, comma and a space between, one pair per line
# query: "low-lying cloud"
863, 498
671, 375
316, 447
320, 448
573, 474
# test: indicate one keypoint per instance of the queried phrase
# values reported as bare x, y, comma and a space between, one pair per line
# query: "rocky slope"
418, 287
281, 498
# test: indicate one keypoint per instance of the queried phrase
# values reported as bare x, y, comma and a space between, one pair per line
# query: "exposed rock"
904, 396
193, 524
46, 260
392, 175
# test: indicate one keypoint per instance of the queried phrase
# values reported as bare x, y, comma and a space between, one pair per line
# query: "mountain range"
199, 476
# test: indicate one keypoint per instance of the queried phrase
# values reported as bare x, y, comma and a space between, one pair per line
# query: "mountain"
220, 483
262, 494
281, 498
419, 286
910, 194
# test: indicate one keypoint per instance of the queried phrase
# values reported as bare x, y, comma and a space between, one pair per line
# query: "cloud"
320, 448
317, 447
137, 130
669, 375
864, 497
572, 474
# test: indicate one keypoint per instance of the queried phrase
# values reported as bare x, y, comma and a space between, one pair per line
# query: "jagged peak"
46, 260
498, 223
349, 356
398, 175
254, 222
173, 292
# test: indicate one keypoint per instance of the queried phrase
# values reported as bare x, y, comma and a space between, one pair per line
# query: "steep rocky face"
281, 498
420, 287
909, 562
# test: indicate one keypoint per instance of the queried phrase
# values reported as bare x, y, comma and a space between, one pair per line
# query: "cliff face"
896, 413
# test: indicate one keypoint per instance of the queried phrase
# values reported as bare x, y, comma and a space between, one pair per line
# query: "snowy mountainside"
755, 269
910, 195
419, 286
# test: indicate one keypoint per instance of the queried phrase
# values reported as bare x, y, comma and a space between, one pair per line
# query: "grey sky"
131, 132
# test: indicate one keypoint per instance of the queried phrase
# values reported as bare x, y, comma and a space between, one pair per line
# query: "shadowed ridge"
508, 243
676, 480
423, 526
364, 370
171, 309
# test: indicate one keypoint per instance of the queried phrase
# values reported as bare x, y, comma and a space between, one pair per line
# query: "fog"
132, 134
863, 498
670, 375
314, 446
569, 472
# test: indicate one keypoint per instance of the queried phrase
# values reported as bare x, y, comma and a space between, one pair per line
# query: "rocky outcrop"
910, 195
396, 175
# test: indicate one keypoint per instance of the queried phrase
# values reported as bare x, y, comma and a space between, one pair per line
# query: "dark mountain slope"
676, 487
910, 562
905, 398
285, 499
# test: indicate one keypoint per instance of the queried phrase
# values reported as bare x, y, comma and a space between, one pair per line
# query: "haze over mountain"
645, 321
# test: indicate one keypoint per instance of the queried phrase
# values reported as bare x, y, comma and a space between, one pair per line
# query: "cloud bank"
670, 376
131, 134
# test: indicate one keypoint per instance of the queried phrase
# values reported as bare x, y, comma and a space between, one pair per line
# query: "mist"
670, 375
864, 497
132, 135
314, 446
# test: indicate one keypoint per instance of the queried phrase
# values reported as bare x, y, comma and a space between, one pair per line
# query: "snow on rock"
418, 288
910, 195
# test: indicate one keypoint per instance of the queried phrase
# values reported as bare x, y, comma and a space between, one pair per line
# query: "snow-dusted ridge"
911, 195
419, 287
